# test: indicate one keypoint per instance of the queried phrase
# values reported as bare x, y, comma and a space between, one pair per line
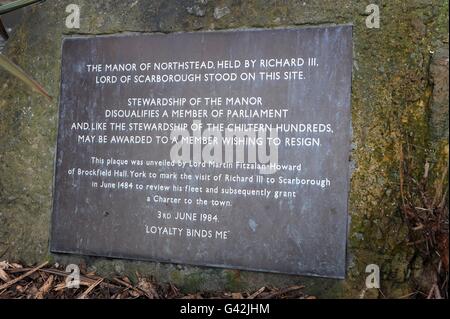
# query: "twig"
409, 295
402, 178
12, 282
440, 186
87, 291
425, 209
45, 288
87, 280
124, 283
444, 199
283, 291
432, 292
254, 295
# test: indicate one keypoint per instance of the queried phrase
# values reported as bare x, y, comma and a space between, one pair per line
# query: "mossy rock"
394, 103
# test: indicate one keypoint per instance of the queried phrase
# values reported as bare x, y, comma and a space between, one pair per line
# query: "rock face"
439, 105
399, 111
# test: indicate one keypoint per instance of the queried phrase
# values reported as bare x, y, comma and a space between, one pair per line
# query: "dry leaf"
147, 288
4, 265
3, 275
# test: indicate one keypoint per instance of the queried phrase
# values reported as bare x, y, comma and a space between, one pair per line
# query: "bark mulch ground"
49, 282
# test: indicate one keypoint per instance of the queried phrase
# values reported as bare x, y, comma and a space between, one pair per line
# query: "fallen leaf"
4, 265
147, 288
3, 275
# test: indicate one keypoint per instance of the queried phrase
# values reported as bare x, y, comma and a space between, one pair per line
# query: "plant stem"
5, 8
15, 70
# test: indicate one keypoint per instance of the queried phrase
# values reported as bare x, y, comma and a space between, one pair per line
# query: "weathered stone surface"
198, 8
220, 12
439, 105
395, 94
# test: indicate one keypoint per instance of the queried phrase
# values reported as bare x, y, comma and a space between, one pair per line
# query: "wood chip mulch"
49, 282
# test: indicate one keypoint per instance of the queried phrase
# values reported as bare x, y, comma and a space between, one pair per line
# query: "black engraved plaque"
221, 148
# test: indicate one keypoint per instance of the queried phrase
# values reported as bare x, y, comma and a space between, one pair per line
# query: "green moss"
233, 280
193, 282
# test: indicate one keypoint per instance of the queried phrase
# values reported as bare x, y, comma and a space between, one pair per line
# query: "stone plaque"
224, 148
